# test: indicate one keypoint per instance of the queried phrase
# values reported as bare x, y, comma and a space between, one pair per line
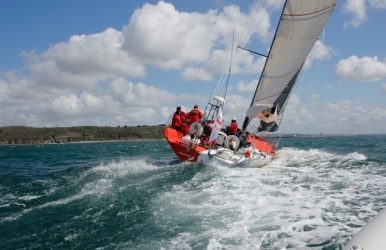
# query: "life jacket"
195, 115
178, 119
233, 128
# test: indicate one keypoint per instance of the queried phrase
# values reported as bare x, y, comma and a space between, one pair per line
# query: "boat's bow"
184, 148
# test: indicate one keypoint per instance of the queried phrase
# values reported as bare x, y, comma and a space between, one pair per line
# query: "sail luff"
269, 52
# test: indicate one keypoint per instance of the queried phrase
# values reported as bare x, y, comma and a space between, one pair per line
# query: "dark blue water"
315, 194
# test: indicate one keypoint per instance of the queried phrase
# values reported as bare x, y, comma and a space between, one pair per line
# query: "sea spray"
316, 193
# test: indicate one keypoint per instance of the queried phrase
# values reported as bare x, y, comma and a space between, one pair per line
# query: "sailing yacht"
299, 27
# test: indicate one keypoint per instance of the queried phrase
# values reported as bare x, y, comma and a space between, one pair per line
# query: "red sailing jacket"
233, 128
178, 119
195, 115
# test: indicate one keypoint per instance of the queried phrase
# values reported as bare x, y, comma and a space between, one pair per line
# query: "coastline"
21, 135
83, 142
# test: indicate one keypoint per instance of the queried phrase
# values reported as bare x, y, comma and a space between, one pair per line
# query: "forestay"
299, 28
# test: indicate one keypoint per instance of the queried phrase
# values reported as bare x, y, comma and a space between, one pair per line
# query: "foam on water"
95, 182
123, 167
303, 198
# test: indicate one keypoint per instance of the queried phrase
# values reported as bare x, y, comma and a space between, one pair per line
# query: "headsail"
299, 27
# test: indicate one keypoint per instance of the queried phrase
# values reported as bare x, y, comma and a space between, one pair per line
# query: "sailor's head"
178, 108
195, 106
233, 120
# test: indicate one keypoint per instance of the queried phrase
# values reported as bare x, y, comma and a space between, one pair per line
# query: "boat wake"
301, 199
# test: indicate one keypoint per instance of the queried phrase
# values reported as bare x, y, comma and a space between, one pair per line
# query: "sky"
129, 62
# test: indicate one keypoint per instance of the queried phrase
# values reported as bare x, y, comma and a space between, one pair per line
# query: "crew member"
178, 120
195, 115
233, 127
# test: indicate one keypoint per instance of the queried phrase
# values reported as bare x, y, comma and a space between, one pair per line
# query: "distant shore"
23, 135
15, 135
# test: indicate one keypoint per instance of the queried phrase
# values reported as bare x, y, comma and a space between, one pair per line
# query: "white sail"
299, 28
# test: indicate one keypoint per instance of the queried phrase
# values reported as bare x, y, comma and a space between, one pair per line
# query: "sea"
316, 194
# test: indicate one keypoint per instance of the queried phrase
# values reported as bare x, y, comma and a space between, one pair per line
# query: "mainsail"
300, 25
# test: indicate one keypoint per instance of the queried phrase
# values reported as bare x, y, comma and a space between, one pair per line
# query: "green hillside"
31, 135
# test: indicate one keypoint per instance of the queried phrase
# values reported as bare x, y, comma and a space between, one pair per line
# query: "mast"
270, 49
247, 119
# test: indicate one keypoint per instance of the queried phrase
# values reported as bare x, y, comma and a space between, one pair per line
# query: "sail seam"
280, 76
311, 13
268, 97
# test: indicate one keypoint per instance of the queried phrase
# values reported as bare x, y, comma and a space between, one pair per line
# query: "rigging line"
254, 52
220, 78
246, 29
244, 33
219, 85
230, 67
270, 48
263, 5
319, 61
257, 5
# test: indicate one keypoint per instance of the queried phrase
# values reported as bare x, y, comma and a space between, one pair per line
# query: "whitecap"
302, 198
29, 197
123, 168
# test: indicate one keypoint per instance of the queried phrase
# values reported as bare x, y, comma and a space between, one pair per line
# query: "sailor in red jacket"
233, 127
178, 119
195, 115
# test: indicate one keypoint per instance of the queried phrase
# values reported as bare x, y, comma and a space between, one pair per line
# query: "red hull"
186, 153
183, 151
261, 144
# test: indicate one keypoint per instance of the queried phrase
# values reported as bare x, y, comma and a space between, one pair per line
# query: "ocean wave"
317, 158
123, 167
96, 182
302, 198
29, 197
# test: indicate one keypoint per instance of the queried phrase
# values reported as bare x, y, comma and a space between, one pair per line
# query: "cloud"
94, 79
249, 87
88, 79
357, 10
319, 51
140, 95
381, 4
99, 53
333, 118
83, 60
199, 74
163, 36
120, 102
191, 42
218, 63
235, 107
362, 69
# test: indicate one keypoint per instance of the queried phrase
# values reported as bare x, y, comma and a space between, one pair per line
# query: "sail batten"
300, 25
